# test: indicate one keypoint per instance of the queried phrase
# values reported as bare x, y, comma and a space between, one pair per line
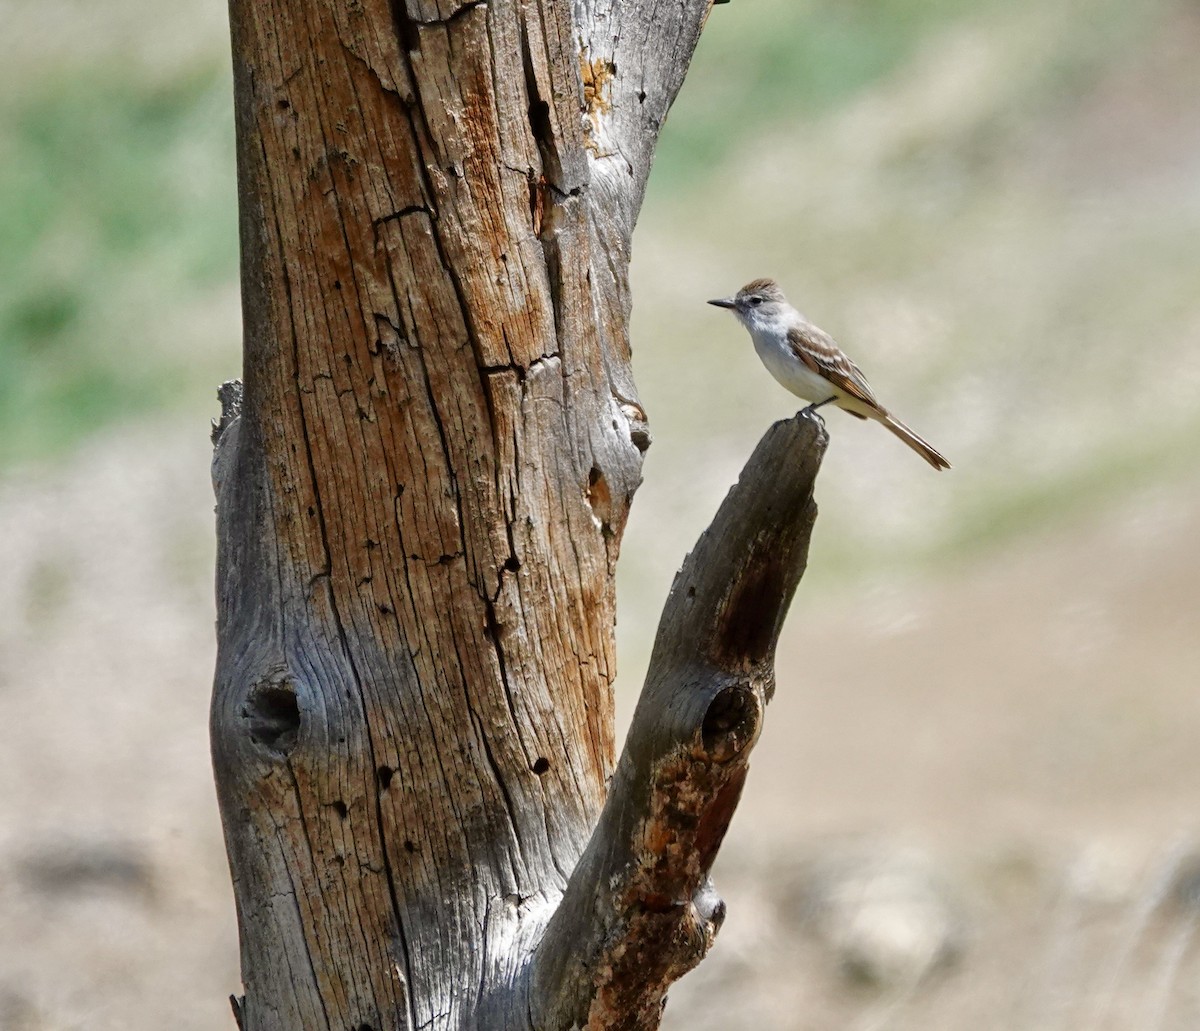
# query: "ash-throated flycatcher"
805, 359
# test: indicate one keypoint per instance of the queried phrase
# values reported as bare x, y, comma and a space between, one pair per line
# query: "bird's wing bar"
817, 350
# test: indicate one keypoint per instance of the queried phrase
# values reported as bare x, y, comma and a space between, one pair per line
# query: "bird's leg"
812, 408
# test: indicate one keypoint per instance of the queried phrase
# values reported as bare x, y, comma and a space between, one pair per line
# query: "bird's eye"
754, 300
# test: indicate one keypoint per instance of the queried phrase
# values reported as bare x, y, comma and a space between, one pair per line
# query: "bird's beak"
724, 302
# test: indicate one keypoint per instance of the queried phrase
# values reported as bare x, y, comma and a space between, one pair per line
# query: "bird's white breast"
781, 362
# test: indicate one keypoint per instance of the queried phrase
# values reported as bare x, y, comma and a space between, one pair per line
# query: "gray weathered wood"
640, 910
421, 496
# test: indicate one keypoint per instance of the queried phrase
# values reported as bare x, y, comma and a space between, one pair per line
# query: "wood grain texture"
640, 910
422, 490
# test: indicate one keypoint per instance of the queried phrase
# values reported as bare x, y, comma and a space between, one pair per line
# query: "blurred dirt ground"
973, 805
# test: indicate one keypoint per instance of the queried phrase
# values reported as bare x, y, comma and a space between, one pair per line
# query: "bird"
807, 361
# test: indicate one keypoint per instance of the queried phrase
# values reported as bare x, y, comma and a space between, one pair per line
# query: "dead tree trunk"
421, 496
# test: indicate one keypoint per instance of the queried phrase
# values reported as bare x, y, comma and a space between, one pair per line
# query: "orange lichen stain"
599, 497
597, 78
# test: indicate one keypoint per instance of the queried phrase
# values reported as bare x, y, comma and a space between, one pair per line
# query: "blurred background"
974, 804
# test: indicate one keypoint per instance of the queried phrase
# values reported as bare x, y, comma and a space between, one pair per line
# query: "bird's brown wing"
819, 352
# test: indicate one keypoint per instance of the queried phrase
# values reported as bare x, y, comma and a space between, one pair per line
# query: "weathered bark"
421, 496
640, 910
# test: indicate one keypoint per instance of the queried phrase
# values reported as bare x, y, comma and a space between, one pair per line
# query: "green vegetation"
119, 214
778, 63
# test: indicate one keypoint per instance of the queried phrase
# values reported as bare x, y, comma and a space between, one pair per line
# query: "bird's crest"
767, 289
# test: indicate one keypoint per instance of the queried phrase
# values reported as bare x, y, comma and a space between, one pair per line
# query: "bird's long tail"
918, 443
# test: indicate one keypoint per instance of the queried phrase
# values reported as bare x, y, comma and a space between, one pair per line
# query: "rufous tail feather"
918, 443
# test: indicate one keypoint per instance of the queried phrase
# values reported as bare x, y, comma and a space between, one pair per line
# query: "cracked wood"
421, 500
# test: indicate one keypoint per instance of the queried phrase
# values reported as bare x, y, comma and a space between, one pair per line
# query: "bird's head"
758, 302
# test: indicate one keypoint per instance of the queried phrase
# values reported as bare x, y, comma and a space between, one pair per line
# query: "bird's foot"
812, 408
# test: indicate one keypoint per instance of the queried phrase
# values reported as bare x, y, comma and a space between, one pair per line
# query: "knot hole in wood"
273, 715
731, 723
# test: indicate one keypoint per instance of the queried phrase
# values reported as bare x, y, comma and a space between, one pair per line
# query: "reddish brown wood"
422, 492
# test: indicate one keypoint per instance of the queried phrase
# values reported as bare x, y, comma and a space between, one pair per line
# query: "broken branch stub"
640, 910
